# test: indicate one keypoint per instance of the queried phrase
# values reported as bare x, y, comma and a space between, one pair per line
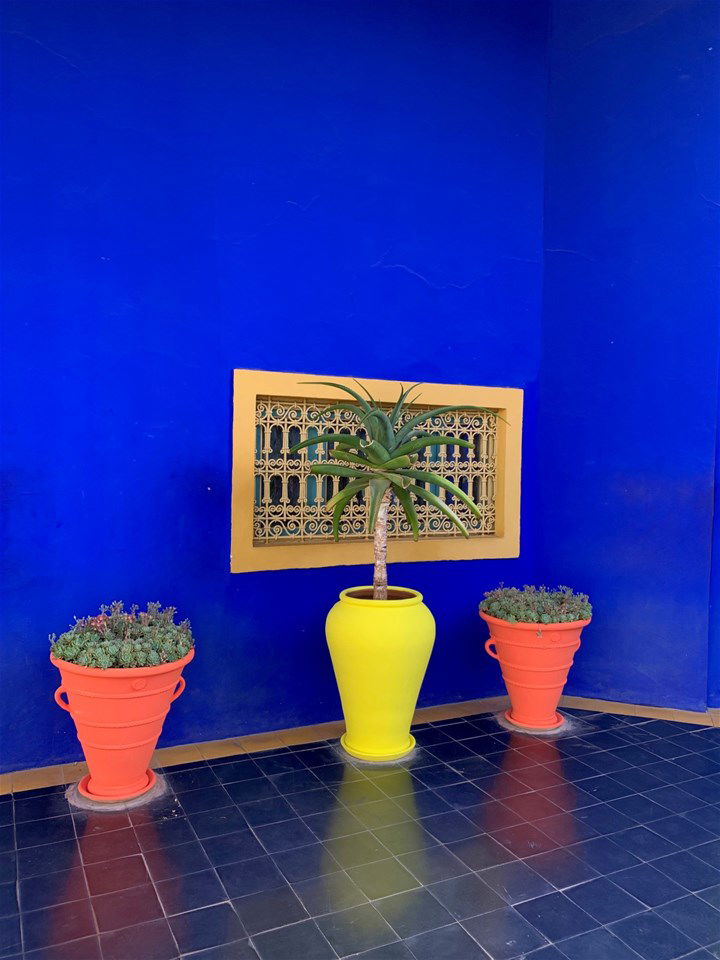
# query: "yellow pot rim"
413, 598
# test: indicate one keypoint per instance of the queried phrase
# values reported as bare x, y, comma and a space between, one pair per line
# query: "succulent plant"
536, 605
381, 459
114, 638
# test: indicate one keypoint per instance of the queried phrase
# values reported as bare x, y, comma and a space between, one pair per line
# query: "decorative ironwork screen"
290, 505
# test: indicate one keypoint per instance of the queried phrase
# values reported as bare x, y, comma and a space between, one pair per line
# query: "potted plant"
120, 672
535, 633
380, 638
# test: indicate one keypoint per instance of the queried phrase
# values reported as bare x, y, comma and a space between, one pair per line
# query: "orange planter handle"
58, 699
181, 687
493, 653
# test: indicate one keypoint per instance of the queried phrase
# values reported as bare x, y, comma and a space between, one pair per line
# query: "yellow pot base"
378, 757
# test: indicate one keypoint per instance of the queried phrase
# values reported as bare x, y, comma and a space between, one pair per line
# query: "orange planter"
534, 659
118, 715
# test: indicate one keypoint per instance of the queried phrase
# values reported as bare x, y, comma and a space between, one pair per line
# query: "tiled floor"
601, 845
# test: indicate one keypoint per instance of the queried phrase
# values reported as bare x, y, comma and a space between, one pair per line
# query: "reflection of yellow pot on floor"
380, 650
380, 638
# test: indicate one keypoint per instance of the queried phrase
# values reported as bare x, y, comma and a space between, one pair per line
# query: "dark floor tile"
208, 798
166, 833
405, 837
651, 937
531, 806
450, 826
480, 852
438, 775
156, 939
504, 934
34, 833
275, 764
329, 894
380, 813
566, 828
288, 943
711, 895
237, 770
109, 846
250, 876
112, 875
562, 868
449, 751
269, 909
332, 774
8, 865
693, 917
604, 762
312, 801
693, 873
466, 896
604, 818
525, 839
675, 799
382, 878
52, 888
447, 943
461, 795
39, 808
670, 771
603, 855
357, 929
125, 908
423, 803
87, 948
648, 885
666, 749
433, 864
6, 812
303, 863
604, 900
318, 756
267, 811
516, 882
214, 823
296, 781
359, 848
396, 783
196, 778
701, 765
10, 936
249, 791
709, 852
333, 823
57, 924
413, 912
206, 927
681, 831
639, 808
284, 835
355, 792
429, 736
176, 861
500, 785
9, 900
190, 892
554, 774
595, 945
236, 950
164, 808
232, 847
707, 817
644, 843
556, 917
638, 779
491, 816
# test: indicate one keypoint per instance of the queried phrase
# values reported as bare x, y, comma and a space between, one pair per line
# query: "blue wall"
348, 188
628, 389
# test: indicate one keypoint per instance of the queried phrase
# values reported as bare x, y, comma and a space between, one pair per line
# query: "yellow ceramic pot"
380, 650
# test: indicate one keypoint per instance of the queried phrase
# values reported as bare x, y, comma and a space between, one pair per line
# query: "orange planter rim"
122, 671
568, 625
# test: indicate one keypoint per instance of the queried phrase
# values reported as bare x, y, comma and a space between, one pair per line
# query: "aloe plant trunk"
380, 583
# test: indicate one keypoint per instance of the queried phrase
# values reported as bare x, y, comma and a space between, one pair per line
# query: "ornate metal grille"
290, 505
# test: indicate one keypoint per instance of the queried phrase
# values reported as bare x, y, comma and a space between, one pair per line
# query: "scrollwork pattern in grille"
290, 504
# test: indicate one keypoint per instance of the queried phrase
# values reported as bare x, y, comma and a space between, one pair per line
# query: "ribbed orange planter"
534, 659
119, 715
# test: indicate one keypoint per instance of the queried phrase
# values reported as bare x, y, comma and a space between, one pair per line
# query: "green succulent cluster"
536, 605
114, 638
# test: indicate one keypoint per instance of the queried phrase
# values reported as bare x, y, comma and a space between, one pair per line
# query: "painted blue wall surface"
361, 189
342, 188
628, 386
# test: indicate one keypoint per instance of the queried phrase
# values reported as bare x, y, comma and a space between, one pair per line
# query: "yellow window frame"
246, 556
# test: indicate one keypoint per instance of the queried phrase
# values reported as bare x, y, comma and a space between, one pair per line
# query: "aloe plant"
381, 458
